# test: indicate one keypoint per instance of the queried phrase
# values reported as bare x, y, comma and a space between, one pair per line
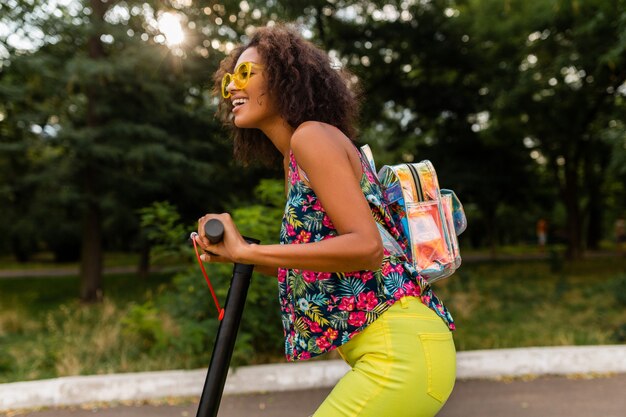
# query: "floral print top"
322, 310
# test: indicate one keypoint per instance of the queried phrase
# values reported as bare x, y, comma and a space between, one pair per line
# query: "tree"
564, 94
123, 120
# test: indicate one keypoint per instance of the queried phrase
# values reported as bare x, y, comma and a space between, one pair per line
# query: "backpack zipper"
416, 180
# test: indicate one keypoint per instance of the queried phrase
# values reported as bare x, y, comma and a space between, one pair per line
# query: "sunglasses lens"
225, 81
242, 74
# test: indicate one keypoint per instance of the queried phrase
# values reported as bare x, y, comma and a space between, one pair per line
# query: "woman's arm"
263, 269
321, 154
266, 270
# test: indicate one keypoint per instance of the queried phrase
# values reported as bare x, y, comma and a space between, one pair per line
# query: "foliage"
160, 223
521, 304
560, 95
44, 333
517, 103
261, 322
189, 303
618, 287
144, 325
97, 121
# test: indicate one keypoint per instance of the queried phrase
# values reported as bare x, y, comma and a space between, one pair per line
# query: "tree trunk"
572, 207
595, 218
597, 159
144, 260
91, 253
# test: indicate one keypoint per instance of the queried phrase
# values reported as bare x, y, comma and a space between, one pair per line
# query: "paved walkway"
541, 397
68, 271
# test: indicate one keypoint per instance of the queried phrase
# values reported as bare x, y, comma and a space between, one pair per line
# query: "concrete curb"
295, 376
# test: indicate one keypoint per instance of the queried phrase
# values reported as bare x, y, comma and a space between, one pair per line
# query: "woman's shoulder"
319, 138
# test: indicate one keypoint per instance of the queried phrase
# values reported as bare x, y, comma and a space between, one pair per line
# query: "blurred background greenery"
109, 152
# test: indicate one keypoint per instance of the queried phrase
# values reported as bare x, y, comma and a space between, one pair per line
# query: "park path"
58, 272
73, 270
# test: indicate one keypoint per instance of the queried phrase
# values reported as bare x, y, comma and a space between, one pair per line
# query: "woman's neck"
279, 132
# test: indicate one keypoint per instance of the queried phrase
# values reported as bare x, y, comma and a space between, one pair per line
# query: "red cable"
220, 310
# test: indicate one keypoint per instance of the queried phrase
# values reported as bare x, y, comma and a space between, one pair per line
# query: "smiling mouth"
239, 102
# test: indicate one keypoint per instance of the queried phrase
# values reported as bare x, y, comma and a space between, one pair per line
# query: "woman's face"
252, 106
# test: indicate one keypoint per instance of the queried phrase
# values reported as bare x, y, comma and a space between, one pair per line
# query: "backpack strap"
389, 242
369, 157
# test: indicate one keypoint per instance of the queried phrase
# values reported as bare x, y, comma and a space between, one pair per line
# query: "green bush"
6, 361
144, 325
189, 303
618, 287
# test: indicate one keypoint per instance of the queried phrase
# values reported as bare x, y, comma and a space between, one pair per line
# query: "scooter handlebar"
214, 230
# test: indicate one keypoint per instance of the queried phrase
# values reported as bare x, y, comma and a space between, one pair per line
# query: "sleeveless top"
323, 310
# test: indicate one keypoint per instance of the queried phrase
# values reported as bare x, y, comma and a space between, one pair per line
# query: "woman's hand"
231, 249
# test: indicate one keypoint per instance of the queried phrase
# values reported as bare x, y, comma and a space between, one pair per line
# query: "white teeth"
239, 101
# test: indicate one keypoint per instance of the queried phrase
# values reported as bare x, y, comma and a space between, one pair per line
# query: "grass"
528, 303
45, 332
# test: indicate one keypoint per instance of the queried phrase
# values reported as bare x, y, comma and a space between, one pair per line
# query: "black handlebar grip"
214, 230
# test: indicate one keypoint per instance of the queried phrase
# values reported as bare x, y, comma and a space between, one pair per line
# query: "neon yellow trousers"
403, 365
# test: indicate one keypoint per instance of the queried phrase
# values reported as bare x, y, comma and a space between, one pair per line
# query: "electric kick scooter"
227, 331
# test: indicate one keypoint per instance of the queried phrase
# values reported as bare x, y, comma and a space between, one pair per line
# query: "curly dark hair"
302, 83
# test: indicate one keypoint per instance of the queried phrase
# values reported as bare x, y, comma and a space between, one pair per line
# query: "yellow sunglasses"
241, 77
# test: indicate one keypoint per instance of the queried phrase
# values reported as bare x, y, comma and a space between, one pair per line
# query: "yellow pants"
403, 365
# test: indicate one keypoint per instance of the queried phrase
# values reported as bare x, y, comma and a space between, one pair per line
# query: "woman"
338, 287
